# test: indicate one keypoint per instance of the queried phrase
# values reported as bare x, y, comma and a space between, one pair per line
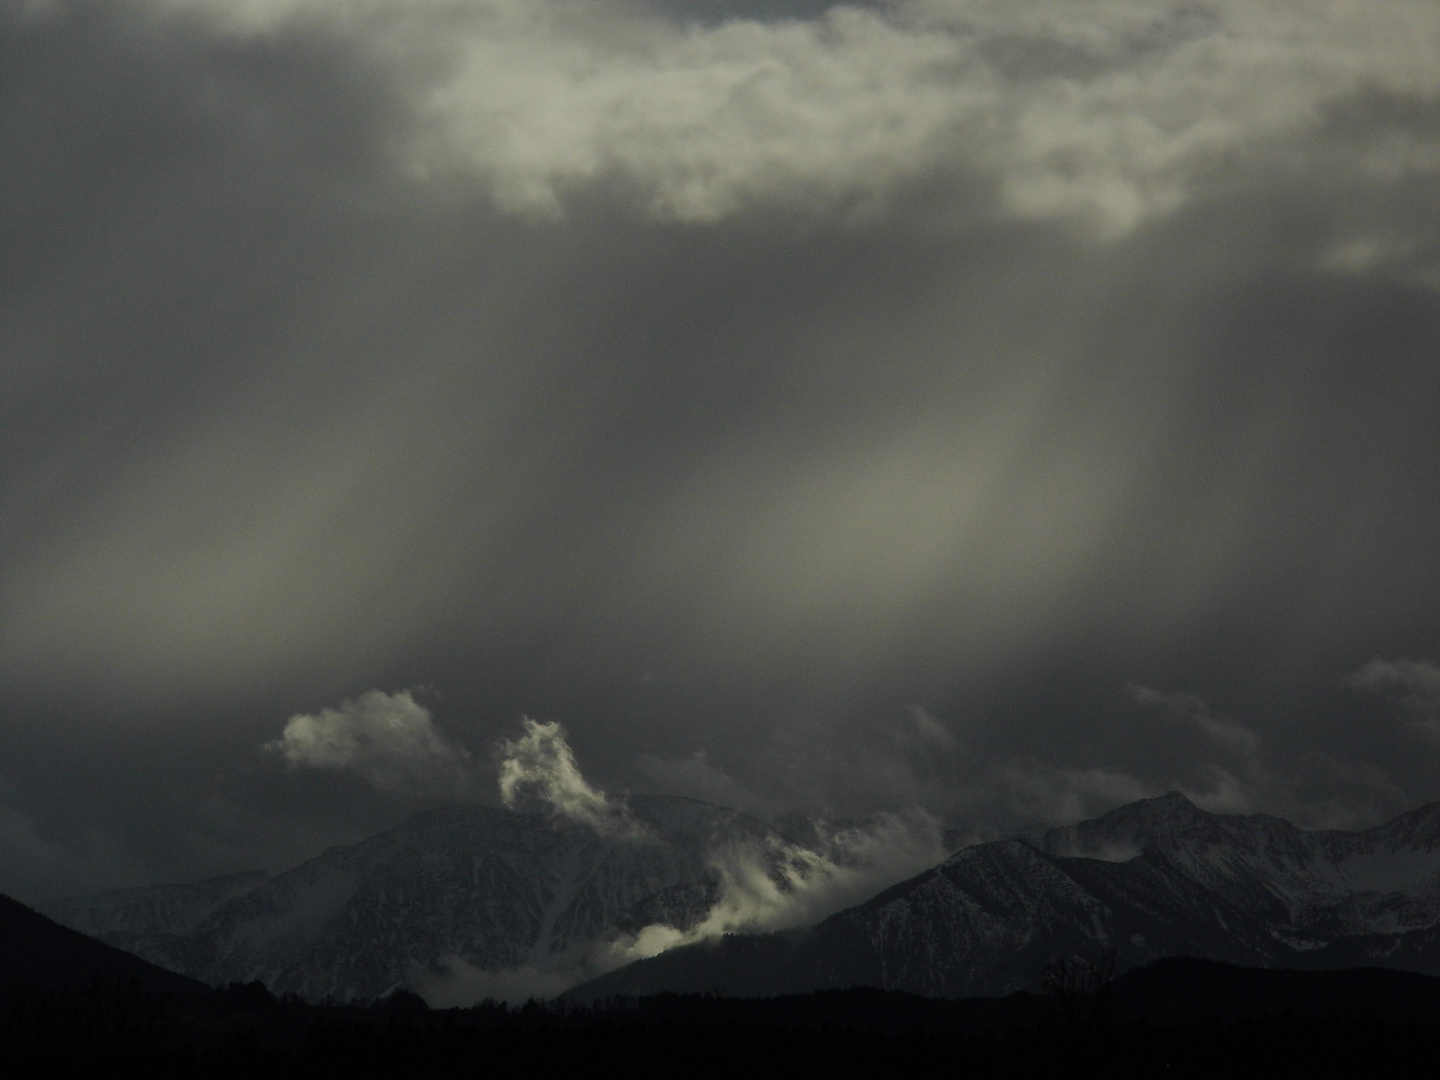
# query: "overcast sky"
1007, 408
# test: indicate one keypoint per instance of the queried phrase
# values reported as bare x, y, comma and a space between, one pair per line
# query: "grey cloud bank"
835, 412
1111, 111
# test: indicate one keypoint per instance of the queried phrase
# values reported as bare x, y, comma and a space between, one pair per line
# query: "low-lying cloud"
389, 739
459, 984
768, 883
1174, 740
810, 867
763, 886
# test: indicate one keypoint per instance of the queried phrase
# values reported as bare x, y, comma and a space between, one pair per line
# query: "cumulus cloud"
538, 770
1110, 111
389, 739
1413, 684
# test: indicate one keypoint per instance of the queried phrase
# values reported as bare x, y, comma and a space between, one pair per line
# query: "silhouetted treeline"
1203, 1019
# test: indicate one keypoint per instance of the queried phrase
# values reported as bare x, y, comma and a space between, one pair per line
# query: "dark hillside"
36, 952
1185, 990
1179, 1017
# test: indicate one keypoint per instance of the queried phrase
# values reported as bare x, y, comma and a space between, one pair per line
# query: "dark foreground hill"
1179, 1017
38, 953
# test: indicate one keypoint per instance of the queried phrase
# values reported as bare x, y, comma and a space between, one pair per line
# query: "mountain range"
501, 891
1155, 878
488, 889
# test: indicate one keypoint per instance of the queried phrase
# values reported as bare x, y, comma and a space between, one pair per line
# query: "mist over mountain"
470, 902
1156, 878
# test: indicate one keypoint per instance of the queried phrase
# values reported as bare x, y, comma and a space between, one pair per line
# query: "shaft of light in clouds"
705, 383
265, 531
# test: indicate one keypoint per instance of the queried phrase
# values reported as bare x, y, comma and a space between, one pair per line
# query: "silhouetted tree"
1080, 992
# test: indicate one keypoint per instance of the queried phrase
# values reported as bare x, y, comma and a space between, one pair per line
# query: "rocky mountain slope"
1159, 877
492, 889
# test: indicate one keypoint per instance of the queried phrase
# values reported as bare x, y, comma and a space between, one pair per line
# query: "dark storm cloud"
836, 411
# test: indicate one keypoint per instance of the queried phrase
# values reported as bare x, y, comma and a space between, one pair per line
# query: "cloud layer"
1106, 111
832, 409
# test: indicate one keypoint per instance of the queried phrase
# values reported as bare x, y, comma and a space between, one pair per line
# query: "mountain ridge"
481, 888
1156, 878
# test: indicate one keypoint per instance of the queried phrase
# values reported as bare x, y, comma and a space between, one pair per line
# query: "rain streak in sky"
989, 410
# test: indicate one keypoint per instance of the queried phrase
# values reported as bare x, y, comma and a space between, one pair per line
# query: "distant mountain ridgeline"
483, 896
1153, 879
469, 894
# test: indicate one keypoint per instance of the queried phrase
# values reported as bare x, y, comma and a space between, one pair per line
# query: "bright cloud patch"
389, 739
539, 769
1106, 110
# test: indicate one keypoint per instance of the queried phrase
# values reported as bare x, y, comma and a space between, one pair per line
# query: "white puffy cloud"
539, 768
1109, 111
389, 739
767, 884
